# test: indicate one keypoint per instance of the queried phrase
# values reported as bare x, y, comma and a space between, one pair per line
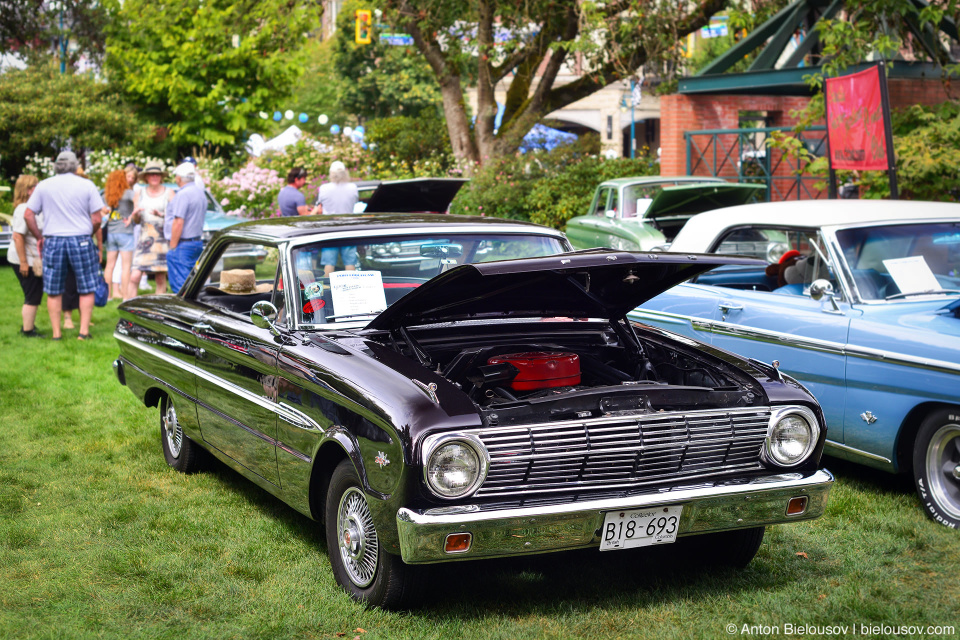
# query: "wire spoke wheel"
172, 431
357, 538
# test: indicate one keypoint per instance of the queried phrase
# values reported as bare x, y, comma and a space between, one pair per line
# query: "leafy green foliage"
29, 27
408, 141
379, 80
178, 60
318, 90
546, 188
43, 111
927, 144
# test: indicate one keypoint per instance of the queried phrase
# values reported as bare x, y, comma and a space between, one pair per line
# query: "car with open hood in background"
862, 305
491, 400
645, 213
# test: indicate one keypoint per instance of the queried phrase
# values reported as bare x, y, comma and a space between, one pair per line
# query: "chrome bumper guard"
524, 530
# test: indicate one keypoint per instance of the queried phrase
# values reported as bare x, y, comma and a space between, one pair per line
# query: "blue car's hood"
214, 221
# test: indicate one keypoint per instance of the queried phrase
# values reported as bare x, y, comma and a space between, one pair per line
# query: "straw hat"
153, 167
241, 282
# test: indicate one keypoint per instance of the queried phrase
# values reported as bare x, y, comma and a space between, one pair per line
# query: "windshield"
898, 261
350, 280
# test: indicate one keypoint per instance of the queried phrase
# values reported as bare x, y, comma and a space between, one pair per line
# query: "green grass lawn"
99, 538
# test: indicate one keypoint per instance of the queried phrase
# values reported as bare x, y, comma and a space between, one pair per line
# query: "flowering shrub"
96, 164
250, 192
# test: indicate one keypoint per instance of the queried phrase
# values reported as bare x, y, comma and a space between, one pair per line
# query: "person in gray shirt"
183, 226
338, 196
72, 209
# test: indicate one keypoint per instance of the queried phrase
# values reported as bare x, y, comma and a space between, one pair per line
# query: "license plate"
640, 527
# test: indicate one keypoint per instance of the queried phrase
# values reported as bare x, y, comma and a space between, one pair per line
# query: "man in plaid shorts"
72, 209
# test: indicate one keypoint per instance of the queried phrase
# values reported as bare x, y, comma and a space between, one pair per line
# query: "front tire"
936, 466
361, 566
180, 452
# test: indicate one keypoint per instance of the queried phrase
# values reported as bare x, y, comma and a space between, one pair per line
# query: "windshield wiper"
931, 292
350, 316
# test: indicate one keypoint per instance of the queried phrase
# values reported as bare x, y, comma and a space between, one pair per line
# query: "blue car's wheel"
936, 466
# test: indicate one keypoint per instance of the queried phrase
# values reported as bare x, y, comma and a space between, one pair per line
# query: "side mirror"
821, 288
610, 213
264, 315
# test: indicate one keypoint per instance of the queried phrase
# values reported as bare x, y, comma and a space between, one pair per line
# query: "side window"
600, 207
244, 274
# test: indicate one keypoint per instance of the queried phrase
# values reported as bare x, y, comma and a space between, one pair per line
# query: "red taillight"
541, 369
458, 542
797, 506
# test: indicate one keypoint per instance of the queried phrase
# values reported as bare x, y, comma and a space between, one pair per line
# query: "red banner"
855, 127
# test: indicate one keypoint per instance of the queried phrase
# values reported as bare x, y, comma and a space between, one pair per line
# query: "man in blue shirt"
290, 200
183, 226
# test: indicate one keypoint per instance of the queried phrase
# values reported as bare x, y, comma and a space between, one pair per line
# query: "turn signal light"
458, 542
796, 506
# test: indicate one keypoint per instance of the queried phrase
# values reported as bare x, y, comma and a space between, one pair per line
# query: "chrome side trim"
576, 525
830, 444
282, 410
813, 344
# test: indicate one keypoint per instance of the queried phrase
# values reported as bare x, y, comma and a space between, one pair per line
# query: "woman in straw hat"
150, 207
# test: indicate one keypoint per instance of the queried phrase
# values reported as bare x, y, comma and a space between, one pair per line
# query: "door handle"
202, 327
727, 307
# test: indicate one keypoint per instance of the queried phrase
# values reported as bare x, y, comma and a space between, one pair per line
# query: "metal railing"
743, 154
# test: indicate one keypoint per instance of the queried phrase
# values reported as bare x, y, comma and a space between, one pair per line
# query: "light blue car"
863, 308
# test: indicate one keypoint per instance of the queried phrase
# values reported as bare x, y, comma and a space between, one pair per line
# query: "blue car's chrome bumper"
507, 532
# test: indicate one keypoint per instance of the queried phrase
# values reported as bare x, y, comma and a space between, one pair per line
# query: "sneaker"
33, 333
144, 283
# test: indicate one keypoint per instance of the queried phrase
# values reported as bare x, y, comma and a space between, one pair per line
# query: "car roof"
285, 228
701, 229
620, 182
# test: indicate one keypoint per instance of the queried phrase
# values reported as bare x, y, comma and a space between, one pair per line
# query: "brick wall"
681, 113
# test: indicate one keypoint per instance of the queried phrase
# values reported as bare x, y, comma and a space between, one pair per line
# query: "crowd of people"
61, 226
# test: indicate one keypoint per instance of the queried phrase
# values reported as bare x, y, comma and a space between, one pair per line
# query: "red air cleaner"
542, 369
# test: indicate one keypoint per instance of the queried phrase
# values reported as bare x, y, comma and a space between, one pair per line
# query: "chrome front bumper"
510, 532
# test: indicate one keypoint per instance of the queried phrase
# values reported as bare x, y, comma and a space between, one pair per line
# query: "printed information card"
357, 293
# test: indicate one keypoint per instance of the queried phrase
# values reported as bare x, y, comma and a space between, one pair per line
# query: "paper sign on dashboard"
357, 292
912, 275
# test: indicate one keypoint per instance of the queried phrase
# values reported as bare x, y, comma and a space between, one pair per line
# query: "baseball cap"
190, 159
67, 156
185, 170
336, 165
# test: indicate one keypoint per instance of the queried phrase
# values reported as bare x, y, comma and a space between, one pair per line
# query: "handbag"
102, 293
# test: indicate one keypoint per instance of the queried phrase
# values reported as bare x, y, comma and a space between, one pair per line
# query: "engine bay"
518, 373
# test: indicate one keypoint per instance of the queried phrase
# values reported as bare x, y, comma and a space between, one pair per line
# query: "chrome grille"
622, 451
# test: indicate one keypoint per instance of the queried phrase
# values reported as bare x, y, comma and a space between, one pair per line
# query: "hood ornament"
429, 389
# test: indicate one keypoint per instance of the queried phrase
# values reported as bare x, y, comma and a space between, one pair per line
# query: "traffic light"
363, 26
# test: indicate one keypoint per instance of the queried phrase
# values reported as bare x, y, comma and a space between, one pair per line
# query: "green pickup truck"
647, 212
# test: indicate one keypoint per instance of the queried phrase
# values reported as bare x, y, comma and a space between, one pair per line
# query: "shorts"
32, 286
347, 254
77, 253
120, 242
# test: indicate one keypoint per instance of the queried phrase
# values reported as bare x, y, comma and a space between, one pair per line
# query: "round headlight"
455, 467
793, 436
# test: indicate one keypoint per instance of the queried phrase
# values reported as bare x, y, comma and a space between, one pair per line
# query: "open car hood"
690, 199
420, 195
598, 283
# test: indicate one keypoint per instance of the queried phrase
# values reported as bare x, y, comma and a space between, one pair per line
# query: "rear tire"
180, 451
936, 466
361, 566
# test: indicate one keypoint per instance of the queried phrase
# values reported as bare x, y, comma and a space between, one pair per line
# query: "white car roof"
700, 231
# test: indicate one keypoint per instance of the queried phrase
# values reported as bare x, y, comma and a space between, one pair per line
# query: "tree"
380, 80
42, 111
206, 68
28, 27
526, 45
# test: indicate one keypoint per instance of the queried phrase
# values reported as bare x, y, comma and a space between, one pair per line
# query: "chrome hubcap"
943, 468
172, 431
359, 547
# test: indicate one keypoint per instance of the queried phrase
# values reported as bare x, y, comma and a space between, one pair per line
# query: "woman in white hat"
149, 209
